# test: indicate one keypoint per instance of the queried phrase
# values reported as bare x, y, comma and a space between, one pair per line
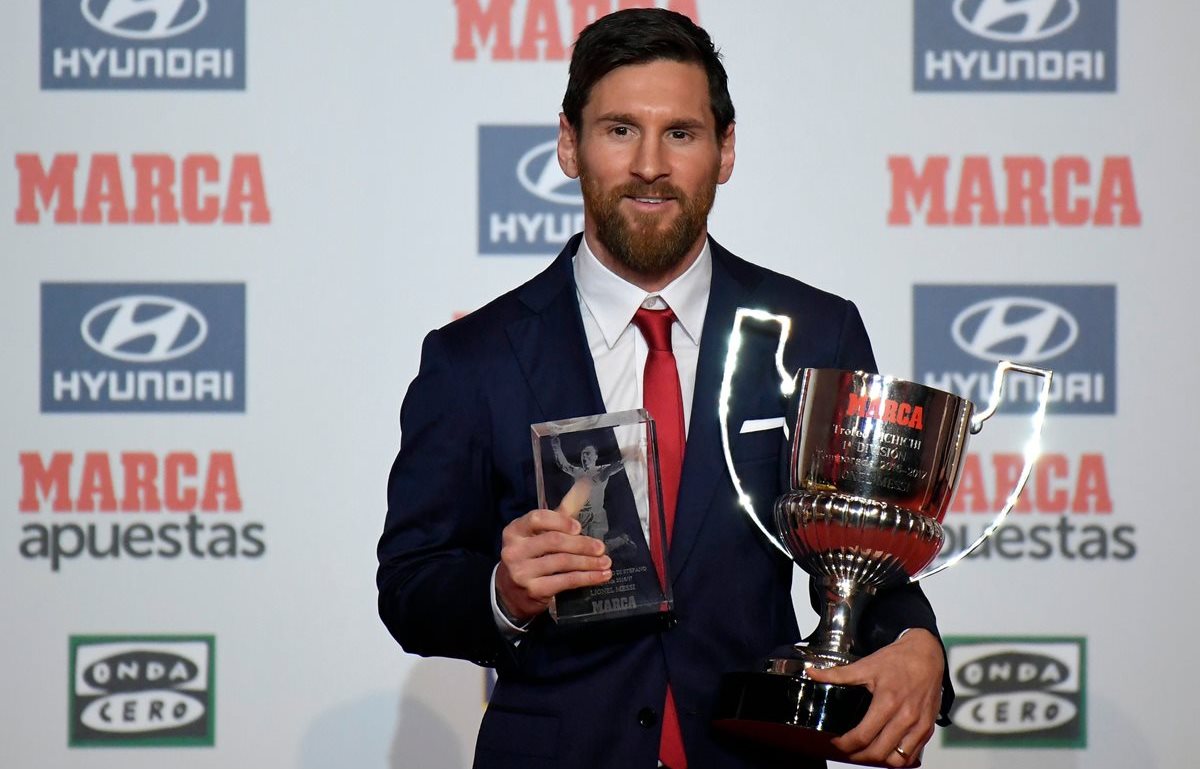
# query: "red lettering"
1026, 191
141, 482
1091, 487
541, 27
1117, 191
918, 418
972, 494
221, 486
246, 189
51, 481
856, 405
104, 187
904, 413
889, 412
155, 179
497, 21
1008, 471
96, 482
907, 184
1051, 496
975, 189
58, 184
179, 473
1070, 208
199, 169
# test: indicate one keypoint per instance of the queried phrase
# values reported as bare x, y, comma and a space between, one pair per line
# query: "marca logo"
1014, 45
1019, 191
488, 28
1017, 692
121, 347
144, 19
526, 204
960, 331
1065, 512
143, 44
142, 691
93, 505
194, 189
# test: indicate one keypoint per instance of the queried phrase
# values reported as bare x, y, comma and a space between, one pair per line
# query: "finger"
853, 674
549, 543
561, 563
576, 497
540, 521
545, 588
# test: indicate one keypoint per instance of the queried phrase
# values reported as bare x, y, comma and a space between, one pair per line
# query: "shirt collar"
612, 300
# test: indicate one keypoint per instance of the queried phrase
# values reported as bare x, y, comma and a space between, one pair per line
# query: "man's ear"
728, 143
568, 148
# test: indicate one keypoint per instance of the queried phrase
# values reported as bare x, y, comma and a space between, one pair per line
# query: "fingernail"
605, 562
576, 527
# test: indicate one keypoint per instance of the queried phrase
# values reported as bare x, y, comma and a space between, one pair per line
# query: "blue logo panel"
527, 206
144, 44
960, 331
999, 45
143, 347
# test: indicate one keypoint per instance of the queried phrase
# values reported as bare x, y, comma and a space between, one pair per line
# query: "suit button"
647, 717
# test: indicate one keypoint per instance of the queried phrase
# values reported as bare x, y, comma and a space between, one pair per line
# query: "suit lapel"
733, 282
551, 347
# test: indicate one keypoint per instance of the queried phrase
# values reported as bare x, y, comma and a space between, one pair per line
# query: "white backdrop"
367, 130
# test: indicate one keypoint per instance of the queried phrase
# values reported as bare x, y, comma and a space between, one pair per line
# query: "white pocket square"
758, 425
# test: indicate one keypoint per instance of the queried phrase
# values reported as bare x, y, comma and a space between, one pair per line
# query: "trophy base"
790, 712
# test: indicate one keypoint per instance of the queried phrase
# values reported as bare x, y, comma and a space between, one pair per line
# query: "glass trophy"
603, 469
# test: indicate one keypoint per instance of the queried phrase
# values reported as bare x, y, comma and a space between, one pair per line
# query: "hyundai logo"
539, 173
1020, 328
144, 19
144, 329
1016, 21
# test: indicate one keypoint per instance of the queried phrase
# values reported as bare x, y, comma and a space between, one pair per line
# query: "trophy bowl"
874, 464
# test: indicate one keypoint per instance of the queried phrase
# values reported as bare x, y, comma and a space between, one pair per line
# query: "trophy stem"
845, 600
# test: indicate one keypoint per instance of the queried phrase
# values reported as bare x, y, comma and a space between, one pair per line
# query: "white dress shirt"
607, 303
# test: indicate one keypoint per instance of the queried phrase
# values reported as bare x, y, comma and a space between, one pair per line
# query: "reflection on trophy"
874, 464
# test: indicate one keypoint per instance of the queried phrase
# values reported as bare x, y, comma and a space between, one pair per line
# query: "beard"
643, 242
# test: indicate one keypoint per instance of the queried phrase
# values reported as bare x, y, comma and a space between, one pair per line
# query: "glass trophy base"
790, 712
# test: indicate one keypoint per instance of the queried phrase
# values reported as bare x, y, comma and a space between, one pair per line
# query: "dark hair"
638, 36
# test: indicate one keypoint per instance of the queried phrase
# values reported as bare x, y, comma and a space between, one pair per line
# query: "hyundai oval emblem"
144, 19
539, 173
1022, 22
144, 329
1023, 329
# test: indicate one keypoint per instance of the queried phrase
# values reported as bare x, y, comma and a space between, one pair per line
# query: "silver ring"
901, 751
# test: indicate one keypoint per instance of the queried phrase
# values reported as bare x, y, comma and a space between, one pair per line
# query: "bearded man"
467, 565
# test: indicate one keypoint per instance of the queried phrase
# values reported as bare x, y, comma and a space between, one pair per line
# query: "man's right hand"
542, 554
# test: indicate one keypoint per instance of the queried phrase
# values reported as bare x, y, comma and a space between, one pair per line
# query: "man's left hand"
905, 681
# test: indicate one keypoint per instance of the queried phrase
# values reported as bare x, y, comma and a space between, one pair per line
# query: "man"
468, 567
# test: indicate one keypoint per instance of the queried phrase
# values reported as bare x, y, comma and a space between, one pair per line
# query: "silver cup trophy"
874, 464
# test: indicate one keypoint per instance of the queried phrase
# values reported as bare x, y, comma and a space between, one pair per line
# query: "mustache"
659, 190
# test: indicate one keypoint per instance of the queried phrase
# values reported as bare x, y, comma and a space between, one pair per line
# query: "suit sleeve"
897, 609
438, 547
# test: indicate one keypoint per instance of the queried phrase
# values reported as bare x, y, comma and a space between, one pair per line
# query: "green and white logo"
1018, 692
142, 691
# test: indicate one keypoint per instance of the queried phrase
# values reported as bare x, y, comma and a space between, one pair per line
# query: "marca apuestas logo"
542, 30
526, 204
139, 691
1017, 692
1014, 45
960, 331
143, 44
123, 347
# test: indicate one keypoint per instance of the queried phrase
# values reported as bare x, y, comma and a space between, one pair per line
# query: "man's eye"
680, 135
621, 130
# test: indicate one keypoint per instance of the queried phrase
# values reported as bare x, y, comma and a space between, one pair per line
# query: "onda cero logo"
1002, 45
142, 691
144, 44
526, 204
961, 331
143, 347
1018, 692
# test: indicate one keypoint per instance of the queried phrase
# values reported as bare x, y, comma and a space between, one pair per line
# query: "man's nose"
649, 164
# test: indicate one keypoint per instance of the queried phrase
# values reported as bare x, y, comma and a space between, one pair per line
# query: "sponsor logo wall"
230, 225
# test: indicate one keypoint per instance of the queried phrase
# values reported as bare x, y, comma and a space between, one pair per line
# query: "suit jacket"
568, 698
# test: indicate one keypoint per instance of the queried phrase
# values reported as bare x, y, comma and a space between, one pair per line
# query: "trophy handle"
787, 387
1033, 449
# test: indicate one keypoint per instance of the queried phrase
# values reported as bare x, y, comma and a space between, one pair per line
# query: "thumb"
839, 674
574, 500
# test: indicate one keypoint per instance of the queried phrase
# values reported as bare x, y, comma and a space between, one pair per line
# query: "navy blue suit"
590, 698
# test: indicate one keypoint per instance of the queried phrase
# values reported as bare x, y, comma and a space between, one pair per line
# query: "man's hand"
542, 554
905, 681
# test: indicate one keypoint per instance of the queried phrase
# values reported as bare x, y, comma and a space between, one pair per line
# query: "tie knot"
655, 326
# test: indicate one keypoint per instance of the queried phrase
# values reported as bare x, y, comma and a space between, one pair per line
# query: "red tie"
663, 399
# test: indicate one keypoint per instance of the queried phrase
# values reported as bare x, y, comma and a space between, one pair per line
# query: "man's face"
588, 457
648, 160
